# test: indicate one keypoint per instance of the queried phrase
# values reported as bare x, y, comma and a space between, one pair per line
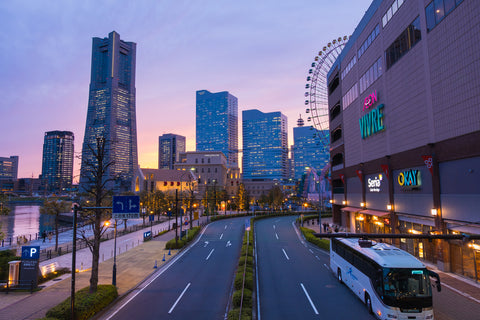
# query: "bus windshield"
407, 287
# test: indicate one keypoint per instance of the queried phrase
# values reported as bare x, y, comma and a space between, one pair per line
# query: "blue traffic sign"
151, 218
126, 207
30, 252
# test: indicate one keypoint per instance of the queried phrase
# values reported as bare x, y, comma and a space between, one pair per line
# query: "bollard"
155, 265
169, 252
163, 257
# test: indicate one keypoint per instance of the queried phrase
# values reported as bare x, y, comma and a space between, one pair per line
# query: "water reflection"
26, 220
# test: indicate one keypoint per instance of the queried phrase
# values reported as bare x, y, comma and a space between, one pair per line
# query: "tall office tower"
265, 145
111, 112
9, 168
57, 160
307, 149
217, 124
169, 148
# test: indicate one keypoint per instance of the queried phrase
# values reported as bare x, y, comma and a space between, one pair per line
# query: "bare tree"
95, 175
55, 208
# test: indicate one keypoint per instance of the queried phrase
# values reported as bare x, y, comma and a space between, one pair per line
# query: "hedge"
191, 234
321, 243
86, 304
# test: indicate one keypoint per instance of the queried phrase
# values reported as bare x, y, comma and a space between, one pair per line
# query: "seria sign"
375, 183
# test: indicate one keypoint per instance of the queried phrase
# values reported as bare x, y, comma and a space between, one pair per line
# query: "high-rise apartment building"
308, 151
57, 160
265, 145
169, 148
9, 168
217, 124
111, 111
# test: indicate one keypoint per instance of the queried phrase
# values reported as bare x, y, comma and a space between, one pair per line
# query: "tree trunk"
95, 252
56, 232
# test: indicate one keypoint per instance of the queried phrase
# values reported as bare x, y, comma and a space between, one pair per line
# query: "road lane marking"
164, 268
206, 244
209, 254
221, 236
317, 257
310, 250
309, 300
181, 295
285, 254
225, 227
273, 226
276, 235
228, 244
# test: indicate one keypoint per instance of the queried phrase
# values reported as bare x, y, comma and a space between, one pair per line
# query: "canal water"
26, 220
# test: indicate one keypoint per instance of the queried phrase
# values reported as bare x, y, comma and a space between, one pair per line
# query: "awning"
375, 212
351, 209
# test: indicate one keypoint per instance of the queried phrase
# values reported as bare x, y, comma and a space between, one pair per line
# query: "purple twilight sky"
259, 51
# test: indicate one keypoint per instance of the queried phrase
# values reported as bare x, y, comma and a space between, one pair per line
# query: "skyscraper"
265, 145
57, 160
307, 150
169, 148
111, 111
217, 124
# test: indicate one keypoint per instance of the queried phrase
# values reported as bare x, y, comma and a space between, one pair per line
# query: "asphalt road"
294, 280
197, 285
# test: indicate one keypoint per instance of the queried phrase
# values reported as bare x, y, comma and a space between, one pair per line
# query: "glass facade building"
217, 124
169, 148
308, 151
57, 160
111, 111
265, 145
9, 168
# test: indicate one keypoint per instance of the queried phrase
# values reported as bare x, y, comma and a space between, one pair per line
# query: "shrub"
86, 304
5, 257
239, 280
191, 234
247, 298
235, 313
321, 243
249, 261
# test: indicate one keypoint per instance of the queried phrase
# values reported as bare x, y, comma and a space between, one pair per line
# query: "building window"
349, 67
375, 32
405, 41
350, 96
437, 10
372, 74
196, 160
391, 11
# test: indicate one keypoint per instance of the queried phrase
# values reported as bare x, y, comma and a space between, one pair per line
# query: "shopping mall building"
404, 108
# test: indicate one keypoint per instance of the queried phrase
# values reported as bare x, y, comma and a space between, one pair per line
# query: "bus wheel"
368, 302
339, 275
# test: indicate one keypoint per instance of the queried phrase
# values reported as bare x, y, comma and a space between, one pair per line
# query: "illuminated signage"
372, 122
370, 100
375, 183
409, 178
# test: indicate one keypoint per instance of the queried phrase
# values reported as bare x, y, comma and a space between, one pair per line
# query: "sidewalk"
135, 262
462, 286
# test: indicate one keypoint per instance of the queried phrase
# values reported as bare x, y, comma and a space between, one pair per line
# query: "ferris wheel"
317, 89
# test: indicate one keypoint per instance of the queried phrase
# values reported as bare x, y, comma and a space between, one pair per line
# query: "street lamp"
114, 271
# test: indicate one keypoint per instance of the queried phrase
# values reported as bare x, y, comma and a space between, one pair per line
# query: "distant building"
111, 112
169, 147
165, 180
9, 168
217, 124
211, 170
57, 160
307, 150
265, 145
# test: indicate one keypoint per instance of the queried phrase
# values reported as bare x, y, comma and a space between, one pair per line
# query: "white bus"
391, 282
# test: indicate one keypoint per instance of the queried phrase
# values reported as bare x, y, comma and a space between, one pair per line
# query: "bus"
392, 283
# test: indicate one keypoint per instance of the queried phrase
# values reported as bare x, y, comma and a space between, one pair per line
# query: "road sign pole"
114, 271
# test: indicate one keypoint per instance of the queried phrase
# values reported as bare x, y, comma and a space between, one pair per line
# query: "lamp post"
76, 207
114, 271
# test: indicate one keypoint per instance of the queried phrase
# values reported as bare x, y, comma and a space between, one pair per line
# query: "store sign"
370, 100
409, 178
372, 122
375, 183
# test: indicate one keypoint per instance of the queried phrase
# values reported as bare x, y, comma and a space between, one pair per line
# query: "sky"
259, 51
